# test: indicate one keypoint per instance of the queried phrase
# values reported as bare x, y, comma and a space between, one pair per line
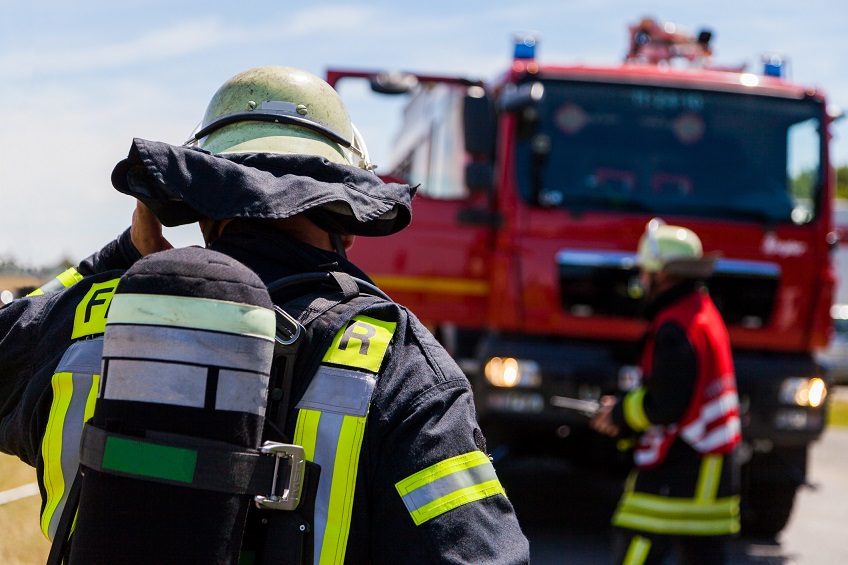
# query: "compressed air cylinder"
187, 354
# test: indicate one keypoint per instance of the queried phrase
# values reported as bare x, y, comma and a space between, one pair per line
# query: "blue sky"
79, 80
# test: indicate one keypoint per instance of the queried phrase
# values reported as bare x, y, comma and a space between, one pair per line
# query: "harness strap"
62, 537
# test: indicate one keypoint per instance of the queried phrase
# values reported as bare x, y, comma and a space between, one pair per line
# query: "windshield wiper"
582, 201
730, 211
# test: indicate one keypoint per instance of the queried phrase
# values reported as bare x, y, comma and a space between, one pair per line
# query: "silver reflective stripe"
329, 430
242, 392
191, 312
159, 383
449, 484
82, 357
339, 391
183, 345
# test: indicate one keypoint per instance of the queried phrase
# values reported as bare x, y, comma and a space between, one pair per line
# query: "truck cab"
533, 192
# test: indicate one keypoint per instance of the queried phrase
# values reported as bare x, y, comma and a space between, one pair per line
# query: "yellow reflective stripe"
638, 551
69, 277
306, 431
708, 478
194, 313
441, 469
340, 508
92, 398
679, 507
467, 478
657, 514
691, 526
362, 344
438, 285
54, 479
634, 410
62, 281
90, 316
51, 447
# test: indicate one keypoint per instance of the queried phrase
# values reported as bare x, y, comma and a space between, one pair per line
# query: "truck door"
437, 266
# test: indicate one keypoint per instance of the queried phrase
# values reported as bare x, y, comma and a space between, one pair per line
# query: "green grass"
21, 540
838, 412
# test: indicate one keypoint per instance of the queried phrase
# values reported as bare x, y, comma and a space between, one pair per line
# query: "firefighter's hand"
602, 421
146, 231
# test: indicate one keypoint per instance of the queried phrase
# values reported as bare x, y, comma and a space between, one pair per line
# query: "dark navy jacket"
421, 414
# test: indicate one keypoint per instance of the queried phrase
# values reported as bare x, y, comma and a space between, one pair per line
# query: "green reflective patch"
149, 460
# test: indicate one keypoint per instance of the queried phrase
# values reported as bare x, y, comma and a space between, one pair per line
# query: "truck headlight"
803, 391
508, 372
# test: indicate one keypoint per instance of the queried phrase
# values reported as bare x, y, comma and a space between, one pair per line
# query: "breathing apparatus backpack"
197, 371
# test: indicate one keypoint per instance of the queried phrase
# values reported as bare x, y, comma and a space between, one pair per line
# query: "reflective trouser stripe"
333, 441
709, 478
449, 484
74, 396
64, 280
702, 515
638, 551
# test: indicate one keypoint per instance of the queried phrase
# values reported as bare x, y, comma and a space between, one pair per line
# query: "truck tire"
769, 484
768, 509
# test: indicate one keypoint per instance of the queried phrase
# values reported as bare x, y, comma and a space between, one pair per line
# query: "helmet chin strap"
338, 244
210, 230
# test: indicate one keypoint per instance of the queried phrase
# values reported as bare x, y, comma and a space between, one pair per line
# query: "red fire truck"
534, 190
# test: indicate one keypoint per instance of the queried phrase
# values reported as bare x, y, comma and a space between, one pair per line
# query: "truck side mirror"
480, 133
515, 98
480, 176
479, 123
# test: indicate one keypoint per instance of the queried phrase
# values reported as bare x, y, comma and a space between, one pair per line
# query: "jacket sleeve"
434, 493
667, 391
117, 254
35, 331
18, 327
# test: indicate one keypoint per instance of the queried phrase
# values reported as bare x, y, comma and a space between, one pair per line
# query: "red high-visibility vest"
711, 422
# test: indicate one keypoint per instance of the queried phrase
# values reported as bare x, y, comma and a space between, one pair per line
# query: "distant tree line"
9, 265
803, 185
842, 182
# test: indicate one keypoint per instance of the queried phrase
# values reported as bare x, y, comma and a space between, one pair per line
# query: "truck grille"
602, 283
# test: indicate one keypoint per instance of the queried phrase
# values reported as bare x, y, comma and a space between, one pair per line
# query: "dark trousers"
641, 548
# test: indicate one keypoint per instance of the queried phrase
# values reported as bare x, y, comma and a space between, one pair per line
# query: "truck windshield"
671, 151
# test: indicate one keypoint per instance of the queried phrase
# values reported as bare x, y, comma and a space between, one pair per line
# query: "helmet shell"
247, 91
673, 249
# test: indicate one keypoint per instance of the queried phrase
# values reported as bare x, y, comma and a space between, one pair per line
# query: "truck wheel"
768, 509
769, 484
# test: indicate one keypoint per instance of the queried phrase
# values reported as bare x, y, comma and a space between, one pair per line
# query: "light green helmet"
673, 249
280, 110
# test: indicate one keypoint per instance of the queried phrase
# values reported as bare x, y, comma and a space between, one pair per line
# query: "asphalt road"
565, 516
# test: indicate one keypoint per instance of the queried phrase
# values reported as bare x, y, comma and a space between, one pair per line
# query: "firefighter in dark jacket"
280, 182
684, 416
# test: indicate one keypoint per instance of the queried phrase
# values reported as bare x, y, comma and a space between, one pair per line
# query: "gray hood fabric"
182, 184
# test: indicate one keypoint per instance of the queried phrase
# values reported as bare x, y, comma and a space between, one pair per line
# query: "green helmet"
673, 249
280, 110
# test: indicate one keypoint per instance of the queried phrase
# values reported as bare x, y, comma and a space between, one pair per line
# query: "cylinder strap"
182, 460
